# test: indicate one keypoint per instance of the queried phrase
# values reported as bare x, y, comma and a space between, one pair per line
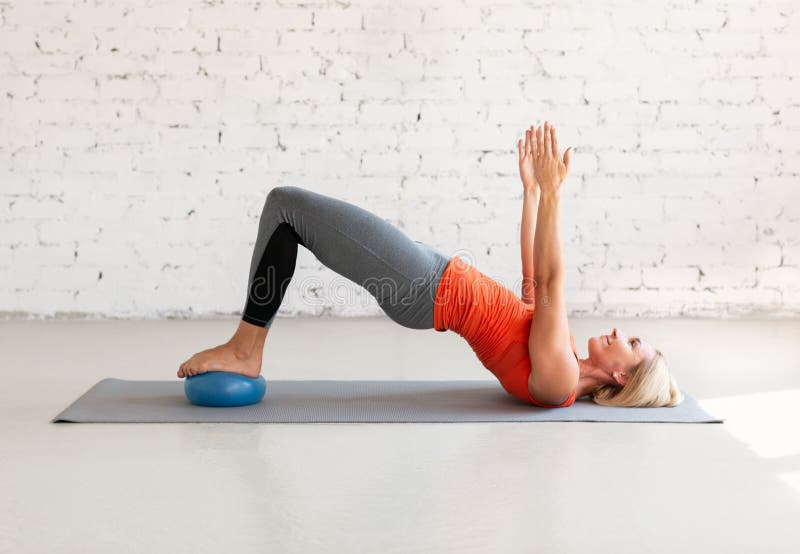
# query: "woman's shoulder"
566, 400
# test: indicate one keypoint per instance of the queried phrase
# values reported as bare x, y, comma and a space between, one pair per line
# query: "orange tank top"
494, 321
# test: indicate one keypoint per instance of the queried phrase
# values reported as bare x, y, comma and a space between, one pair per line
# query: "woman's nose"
614, 333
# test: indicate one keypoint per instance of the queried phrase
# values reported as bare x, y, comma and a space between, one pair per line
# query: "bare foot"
242, 354
224, 357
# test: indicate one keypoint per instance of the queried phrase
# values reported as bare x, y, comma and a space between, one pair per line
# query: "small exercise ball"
224, 389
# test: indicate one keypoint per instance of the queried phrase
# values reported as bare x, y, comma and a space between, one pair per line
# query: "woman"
525, 343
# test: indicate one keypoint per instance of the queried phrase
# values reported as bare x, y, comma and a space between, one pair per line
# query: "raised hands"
526, 162
549, 169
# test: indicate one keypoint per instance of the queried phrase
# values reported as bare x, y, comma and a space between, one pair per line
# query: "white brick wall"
139, 138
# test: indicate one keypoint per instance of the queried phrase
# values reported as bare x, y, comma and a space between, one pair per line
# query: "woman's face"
618, 353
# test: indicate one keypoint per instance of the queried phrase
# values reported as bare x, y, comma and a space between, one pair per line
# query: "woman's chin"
594, 344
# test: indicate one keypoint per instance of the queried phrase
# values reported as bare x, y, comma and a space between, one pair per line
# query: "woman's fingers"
539, 141
568, 157
547, 140
554, 146
532, 134
527, 141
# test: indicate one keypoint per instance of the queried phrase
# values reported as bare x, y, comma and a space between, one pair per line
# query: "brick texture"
139, 139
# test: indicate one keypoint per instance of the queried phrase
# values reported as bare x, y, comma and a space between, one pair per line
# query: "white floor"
490, 487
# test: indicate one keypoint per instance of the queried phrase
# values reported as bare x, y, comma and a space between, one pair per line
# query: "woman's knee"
286, 196
281, 193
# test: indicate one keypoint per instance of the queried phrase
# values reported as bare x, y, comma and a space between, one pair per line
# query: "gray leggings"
402, 274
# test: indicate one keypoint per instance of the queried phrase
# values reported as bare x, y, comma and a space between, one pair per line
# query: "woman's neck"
590, 378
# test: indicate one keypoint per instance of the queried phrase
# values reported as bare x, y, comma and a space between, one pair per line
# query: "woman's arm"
530, 208
554, 371
550, 172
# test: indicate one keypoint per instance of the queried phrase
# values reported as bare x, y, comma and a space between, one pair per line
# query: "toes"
193, 367
182, 370
189, 367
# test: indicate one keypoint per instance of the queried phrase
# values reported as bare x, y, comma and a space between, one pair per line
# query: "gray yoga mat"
327, 401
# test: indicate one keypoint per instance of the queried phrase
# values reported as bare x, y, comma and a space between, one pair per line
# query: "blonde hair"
650, 385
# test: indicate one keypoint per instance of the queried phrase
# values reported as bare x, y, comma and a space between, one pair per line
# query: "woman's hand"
529, 183
548, 167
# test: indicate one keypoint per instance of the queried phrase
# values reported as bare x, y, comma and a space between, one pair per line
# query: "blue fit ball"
224, 389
